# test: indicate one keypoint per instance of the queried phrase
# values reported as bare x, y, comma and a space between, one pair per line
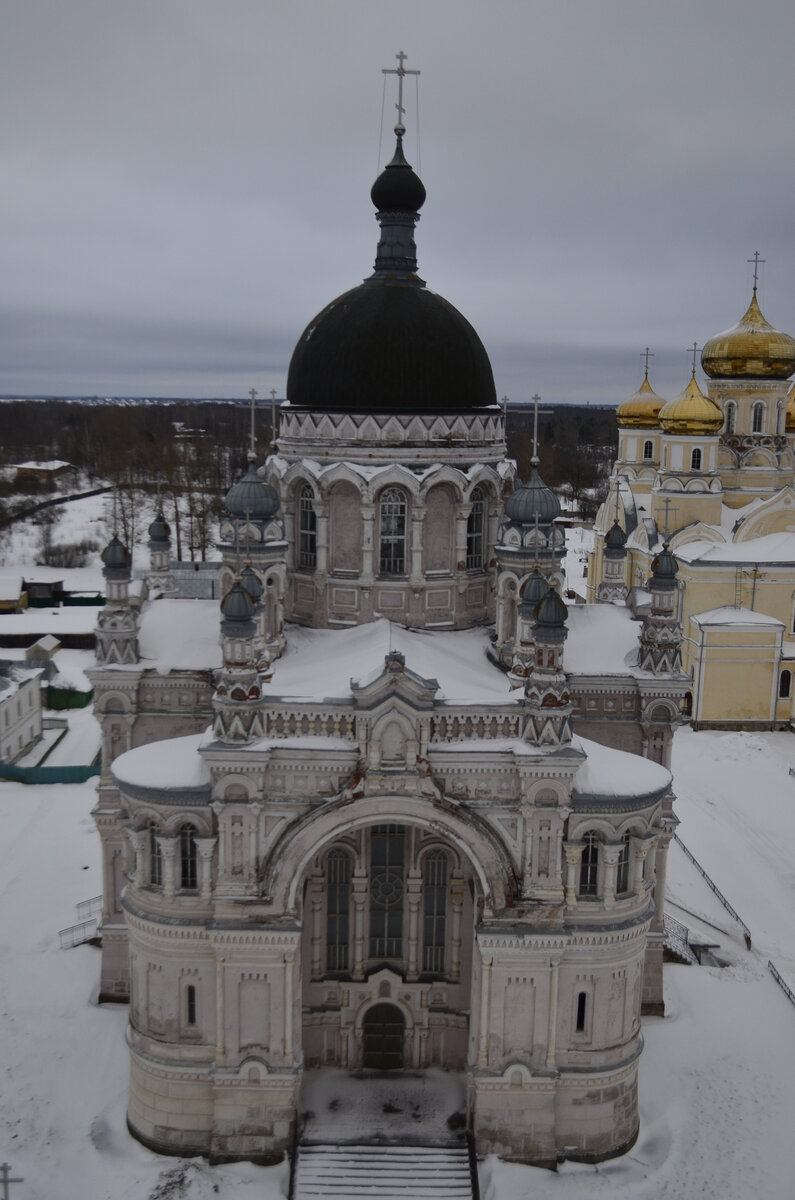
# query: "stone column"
461, 518
414, 898
573, 852
205, 848
322, 538
137, 840
369, 566
316, 906
289, 961
552, 1021
168, 849
359, 895
220, 1019
414, 533
456, 913
638, 865
485, 1010
610, 855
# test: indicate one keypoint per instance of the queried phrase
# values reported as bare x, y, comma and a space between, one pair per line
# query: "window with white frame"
757, 417
648, 449
434, 878
695, 460
392, 532
731, 416
589, 866
188, 859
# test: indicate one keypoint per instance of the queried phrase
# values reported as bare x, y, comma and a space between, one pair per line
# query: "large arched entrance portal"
389, 913
383, 1029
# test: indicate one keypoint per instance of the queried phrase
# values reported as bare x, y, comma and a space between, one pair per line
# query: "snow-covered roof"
727, 615
609, 774
180, 635
772, 548
76, 618
10, 587
171, 765
602, 637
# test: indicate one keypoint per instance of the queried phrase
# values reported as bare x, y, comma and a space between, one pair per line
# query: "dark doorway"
383, 1028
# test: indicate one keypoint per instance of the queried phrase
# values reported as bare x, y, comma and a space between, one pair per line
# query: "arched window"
648, 449
589, 866
695, 460
758, 416
338, 903
622, 867
731, 416
785, 685
392, 528
387, 845
434, 877
189, 876
155, 857
307, 529
475, 531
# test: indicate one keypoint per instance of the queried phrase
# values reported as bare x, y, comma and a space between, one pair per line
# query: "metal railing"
89, 908
786, 989
718, 893
75, 935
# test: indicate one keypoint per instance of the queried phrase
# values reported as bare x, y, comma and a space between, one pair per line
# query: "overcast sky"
186, 182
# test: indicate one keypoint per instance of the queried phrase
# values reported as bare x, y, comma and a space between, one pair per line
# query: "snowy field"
717, 1079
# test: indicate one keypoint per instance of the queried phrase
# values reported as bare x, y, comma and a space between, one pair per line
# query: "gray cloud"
187, 182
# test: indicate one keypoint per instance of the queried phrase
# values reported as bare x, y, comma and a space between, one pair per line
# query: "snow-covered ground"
717, 1088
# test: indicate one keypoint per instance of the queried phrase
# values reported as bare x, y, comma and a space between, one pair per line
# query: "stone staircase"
387, 1172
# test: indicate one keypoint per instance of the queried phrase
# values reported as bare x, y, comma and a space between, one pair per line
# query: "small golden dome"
692, 412
641, 410
790, 426
752, 350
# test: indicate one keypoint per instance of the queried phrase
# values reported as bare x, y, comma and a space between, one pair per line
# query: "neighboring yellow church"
711, 475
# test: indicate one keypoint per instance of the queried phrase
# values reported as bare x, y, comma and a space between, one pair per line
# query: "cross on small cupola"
694, 351
646, 355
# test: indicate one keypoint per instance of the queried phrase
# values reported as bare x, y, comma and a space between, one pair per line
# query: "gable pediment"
395, 681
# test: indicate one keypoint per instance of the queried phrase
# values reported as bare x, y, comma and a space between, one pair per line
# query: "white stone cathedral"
372, 831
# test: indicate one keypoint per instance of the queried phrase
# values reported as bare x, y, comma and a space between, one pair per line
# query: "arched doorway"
383, 1028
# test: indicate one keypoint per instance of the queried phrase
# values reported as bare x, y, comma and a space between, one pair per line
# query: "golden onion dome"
790, 425
691, 412
641, 410
753, 349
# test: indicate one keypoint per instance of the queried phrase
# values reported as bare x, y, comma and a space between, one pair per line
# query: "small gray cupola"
237, 609
532, 499
550, 615
615, 541
159, 531
251, 498
663, 570
533, 591
251, 583
116, 559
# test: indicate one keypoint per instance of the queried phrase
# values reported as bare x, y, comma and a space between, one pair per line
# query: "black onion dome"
531, 499
159, 530
615, 541
551, 612
663, 569
397, 188
390, 347
534, 590
252, 498
116, 558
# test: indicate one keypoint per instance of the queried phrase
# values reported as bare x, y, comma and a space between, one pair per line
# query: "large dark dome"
390, 345
387, 346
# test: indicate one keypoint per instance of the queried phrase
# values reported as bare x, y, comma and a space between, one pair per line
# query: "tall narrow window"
393, 532
387, 844
189, 878
582, 1000
307, 528
758, 416
589, 866
648, 449
622, 869
785, 685
338, 901
155, 857
731, 416
475, 531
695, 460
190, 1004
435, 912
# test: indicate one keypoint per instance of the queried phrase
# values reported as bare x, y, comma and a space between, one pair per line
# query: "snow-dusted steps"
385, 1172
